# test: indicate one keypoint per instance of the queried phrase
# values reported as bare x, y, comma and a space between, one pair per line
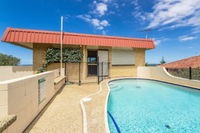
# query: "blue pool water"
145, 106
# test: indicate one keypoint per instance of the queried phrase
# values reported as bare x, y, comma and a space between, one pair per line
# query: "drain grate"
138, 87
167, 126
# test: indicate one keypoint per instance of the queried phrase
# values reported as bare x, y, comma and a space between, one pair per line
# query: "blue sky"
175, 23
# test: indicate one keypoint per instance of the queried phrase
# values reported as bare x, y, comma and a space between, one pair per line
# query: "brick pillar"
84, 62
39, 54
139, 57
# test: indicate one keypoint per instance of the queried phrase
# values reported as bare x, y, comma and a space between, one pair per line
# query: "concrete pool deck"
95, 110
64, 113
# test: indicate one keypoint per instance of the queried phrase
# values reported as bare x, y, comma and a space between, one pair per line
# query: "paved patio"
63, 114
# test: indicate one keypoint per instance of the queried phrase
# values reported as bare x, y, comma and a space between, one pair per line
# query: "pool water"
146, 106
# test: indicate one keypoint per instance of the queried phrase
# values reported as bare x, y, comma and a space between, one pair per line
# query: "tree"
162, 61
8, 60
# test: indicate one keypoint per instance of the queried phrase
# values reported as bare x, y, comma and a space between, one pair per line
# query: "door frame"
97, 63
88, 75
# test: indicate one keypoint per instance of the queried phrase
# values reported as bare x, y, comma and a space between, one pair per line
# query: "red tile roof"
193, 62
13, 35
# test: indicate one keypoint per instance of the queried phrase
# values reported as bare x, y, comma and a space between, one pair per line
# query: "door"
92, 62
103, 63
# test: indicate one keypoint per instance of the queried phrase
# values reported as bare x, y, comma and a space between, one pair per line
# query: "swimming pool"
147, 106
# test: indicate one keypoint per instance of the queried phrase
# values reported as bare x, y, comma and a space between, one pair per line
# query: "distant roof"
24, 36
193, 62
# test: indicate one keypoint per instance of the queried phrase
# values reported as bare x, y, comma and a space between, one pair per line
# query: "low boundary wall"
160, 73
21, 97
12, 72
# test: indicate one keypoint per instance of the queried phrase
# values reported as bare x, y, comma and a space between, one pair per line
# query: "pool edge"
125, 78
191, 87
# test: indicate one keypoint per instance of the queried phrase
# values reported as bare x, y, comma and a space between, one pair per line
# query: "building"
120, 55
193, 62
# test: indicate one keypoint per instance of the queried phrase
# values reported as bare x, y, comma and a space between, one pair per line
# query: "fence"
94, 72
188, 73
103, 71
73, 72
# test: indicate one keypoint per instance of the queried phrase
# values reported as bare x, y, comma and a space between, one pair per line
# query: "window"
123, 56
92, 57
92, 63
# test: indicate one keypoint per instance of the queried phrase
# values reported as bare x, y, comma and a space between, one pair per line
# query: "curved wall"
160, 73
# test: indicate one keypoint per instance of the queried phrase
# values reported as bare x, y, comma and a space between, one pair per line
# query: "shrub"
70, 55
8, 60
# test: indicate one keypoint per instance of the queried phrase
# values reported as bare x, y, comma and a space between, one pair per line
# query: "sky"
174, 24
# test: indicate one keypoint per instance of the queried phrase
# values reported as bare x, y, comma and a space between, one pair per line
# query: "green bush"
69, 55
8, 60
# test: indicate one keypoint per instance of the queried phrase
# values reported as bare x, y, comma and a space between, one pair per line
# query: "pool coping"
106, 107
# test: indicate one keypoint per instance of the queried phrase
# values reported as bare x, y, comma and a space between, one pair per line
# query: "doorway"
92, 62
98, 64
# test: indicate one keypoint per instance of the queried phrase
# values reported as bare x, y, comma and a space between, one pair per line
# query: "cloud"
101, 9
96, 16
86, 17
98, 24
187, 38
138, 12
156, 41
176, 13
106, 1
116, 5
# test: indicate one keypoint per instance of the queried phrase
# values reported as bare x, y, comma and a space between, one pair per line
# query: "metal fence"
103, 71
188, 73
73, 72
95, 72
